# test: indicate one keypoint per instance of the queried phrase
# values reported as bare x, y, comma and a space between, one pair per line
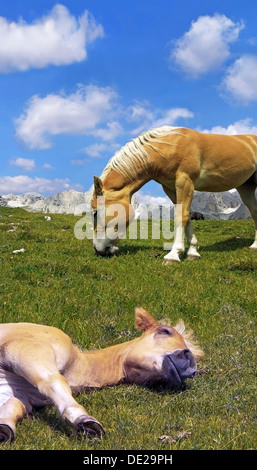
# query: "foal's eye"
166, 331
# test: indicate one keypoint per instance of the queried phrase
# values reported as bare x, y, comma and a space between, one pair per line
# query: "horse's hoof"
193, 257
170, 261
89, 428
6, 433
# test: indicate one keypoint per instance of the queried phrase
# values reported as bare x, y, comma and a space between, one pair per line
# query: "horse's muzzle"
178, 366
108, 251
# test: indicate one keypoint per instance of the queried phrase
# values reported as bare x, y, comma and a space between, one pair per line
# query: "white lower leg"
178, 246
192, 251
193, 244
254, 245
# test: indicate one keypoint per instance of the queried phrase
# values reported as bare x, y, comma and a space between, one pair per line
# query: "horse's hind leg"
247, 194
12, 411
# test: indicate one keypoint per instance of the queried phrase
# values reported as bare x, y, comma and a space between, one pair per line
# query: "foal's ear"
143, 319
98, 185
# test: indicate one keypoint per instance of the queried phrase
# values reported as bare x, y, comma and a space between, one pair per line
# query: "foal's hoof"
89, 427
6, 433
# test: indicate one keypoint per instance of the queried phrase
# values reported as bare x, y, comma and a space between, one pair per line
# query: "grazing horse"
181, 160
39, 365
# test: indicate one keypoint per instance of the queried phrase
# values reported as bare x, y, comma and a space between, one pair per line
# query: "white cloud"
90, 111
244, 126
240, 80
171, 116
150, 118
110, 132
205, 47
79, 113
57, 39
78, 162
97, 150
26, 164
24, 184
140, 112
48, 166
143, 198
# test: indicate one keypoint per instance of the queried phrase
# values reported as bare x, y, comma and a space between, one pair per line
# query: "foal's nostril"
185, 354
185, 363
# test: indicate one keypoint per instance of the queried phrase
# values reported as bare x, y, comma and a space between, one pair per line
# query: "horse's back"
227, 161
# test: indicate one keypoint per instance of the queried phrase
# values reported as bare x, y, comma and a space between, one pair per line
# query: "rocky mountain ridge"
225, 205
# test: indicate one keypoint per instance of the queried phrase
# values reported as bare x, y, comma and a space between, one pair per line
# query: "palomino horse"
39, 365
181, 160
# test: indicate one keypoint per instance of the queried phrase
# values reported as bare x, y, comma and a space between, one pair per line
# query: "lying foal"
39, 365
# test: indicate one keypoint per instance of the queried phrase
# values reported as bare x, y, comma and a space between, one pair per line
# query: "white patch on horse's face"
104, 246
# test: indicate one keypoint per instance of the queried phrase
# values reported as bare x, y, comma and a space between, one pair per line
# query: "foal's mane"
133, 156
188, 336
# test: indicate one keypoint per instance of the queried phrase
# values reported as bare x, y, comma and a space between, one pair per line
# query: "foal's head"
162, 354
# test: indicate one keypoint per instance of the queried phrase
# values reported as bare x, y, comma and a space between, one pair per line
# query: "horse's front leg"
182, 223
192, 253
178, 246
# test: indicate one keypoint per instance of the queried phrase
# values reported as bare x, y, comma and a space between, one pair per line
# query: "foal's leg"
182, 223
38, 366
12, 411
247, 194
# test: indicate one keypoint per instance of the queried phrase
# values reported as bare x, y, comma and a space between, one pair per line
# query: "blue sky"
78, 79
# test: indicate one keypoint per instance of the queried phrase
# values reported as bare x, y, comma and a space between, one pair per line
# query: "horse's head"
112, 213
162, 354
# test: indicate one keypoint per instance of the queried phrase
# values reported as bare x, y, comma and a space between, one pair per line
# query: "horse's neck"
99, 368
118, 183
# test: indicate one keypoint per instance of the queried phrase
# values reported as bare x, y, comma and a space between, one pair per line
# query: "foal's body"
181, 160
40, 365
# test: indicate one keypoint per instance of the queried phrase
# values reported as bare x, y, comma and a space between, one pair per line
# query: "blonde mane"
133, 156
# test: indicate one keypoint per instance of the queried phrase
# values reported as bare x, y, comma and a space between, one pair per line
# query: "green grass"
59, 281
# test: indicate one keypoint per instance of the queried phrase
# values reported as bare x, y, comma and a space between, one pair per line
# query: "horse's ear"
143, 319
98, 185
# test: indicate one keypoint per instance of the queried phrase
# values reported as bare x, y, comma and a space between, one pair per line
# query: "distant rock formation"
226, 205
61, 203
3, 202
21, 200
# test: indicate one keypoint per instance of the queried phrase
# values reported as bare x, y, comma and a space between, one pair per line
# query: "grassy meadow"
59, 281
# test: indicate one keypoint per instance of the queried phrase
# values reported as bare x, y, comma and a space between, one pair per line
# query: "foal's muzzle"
179, 366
